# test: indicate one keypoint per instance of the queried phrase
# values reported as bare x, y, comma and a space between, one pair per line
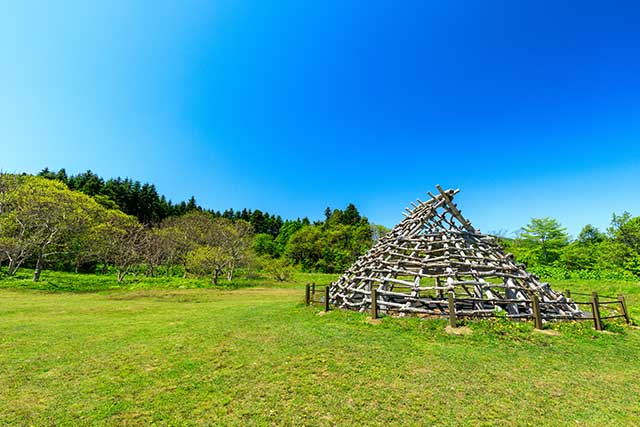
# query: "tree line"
84, 223
544, 245
72, 224
143, 201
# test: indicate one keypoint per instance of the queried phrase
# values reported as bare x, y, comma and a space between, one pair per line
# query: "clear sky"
532, 108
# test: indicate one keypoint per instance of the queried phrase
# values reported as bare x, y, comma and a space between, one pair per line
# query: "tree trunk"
39, 266
121, 274
214, 279
231, 270
12, 268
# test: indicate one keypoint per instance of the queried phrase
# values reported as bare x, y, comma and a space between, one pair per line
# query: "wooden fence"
599, 307
317, 295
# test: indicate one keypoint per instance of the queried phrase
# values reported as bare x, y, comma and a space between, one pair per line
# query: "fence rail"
320, 295
310, 295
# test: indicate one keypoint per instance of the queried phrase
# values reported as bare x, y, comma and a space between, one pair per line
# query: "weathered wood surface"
434, 251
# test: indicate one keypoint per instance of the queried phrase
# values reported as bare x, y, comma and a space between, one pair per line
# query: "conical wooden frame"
435, 251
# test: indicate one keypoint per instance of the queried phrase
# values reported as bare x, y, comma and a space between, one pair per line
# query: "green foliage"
144, 202
333, 245
617, 222
288, 229
330, 247
305, 247
279, 268
629, 234
578, 256
264, 245
207, 261
590, 235
378, 231
562, 273
90, 232
542, 240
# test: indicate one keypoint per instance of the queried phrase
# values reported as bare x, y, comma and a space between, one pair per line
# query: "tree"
378, 232
279, 268
578, 256
155, 249
289, 228
39, 217
611, 255
545, 236
263, 244
351, 216
14, 244
235, 238
305, 247
207, 261
118, 240
629, 233
617, 221
590, 235
327, 213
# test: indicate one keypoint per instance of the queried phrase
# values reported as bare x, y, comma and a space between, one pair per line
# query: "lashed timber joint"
433, 252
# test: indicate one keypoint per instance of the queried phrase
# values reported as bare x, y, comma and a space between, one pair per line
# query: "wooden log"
374, 303
307, 294
623, 307
326, 299
537, 316
452, 310
595, 309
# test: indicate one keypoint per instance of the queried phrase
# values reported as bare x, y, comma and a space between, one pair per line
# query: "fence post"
595, 309
313, 290
374, 303
326, 298
535, 307
307, 294
452, 310
623, 305
567, 294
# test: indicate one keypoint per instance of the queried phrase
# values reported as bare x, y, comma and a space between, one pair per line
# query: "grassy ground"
53, 281
257, 357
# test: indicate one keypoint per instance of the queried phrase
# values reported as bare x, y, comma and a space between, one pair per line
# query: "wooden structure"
434, 263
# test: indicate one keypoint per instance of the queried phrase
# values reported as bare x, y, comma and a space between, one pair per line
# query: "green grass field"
157, 354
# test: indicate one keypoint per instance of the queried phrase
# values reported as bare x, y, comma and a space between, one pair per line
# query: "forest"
84, 223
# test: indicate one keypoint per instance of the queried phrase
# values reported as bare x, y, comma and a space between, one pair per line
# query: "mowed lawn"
258, 357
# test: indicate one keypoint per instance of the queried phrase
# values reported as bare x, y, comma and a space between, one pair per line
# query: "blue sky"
531, 108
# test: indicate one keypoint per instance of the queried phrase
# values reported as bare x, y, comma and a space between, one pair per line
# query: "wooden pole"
623, 306
307, 294
326, 298
567, 293
537, 316
313, 291
374, 303
452, 310
595, 309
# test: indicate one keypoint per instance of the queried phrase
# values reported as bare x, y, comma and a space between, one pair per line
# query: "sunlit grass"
259, 357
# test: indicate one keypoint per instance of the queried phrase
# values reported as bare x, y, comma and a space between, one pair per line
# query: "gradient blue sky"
531, 108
